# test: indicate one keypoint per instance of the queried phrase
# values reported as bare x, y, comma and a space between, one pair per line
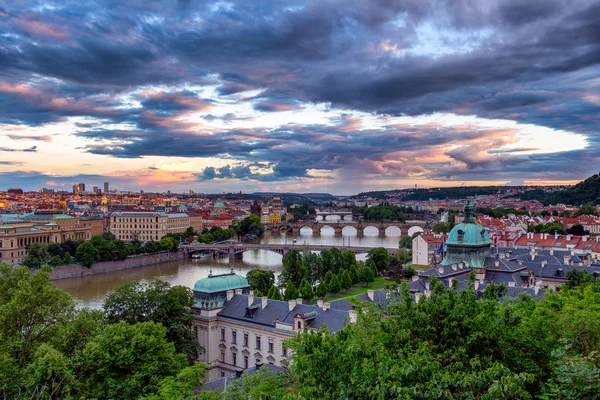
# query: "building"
106, 187
426, 248
146, 225
196, 221
239, 331
18, 231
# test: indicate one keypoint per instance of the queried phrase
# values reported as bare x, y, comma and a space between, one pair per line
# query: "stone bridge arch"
414, 229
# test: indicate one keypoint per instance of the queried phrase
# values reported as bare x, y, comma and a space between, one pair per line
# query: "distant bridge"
407, 227
236, 250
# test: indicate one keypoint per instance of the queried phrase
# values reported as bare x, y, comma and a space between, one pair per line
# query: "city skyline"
329, 96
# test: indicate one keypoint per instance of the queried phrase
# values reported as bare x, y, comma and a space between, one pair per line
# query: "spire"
210, 273
232, 272
469, 213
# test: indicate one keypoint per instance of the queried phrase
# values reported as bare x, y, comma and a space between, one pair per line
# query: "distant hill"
587, 191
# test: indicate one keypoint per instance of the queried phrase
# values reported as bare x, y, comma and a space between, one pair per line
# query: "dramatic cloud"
248, 93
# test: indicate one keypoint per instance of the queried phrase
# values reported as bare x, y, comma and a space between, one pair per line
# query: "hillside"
587, 191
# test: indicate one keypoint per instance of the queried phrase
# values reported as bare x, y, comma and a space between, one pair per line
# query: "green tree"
293, 269
366, 275
306, 291
37, 255
578, 277
251, 225
157, 302
183, 385
263, 385
49, 376
130, 361
260, 279
441, 227
322, 290
32, 311
405, 242
409, 272
379, 257
334, 285
395, 269
87, 254
274, 293
291, 293
345, 280
169, 244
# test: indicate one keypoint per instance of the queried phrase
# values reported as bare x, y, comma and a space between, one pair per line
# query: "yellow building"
275, 219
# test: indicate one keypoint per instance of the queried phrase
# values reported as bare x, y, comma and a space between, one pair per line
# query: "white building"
425, 248
146, 225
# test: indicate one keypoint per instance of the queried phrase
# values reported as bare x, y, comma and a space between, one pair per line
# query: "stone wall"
75, 270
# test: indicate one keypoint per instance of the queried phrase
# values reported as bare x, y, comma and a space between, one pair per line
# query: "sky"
301, 96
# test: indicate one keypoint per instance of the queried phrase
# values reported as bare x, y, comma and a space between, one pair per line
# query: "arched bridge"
406, 228
236, 250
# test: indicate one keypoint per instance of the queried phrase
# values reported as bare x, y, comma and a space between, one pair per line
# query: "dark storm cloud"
528, 61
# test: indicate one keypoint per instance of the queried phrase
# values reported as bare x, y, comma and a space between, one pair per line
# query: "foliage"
291, 293
130, 361
274, 293
382, 213
334, 285
157, 302
551, 227
345, 280
322, 290
183, 385
577, 229
215, 234
251, 225
366, 275
409, 272
301, 211
395, 269
574, 377
578, 277
306, 291
500, 212
379, 257
293, 269
441, 227
261, 279
263, 385
585, 192
405, 242
87, 254
37, 255
586, 209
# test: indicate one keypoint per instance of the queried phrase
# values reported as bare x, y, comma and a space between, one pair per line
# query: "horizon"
298, 96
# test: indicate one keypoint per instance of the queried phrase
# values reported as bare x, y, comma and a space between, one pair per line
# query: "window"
245, 339
234, 337
222, 374
234, 357
271, 345
258, 343
222, 355
222, 334
196, 332
245, 362
299, 325
284, 351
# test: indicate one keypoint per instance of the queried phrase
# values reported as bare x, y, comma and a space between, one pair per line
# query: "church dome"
221, 283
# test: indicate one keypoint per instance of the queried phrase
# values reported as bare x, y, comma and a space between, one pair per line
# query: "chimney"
536, 289
584, 238
566, 259
371, 294
415, 278
320, 303
229, 295
427, 285
326, 306
551, 252
476, 285
292, 304
353, 316
264, 302
569, 237
497, 263
511, 284
238, 291
299, 300
417, 297
250, 298
543, 263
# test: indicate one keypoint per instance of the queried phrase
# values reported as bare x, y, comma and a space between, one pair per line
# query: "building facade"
146, 225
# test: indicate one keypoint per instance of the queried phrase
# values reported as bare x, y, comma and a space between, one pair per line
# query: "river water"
90, 291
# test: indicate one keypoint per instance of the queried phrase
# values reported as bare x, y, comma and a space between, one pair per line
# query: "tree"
260, 279
395, 269
405, 242
263, 384
441, 227
130, 361
251, 225
37, 255
86, 254
322, 290
366, 275
291, 293
157, 302
169, 244
577, 229
345, 280
577, 277
183, 385
293, 269
328, 277
274, 293
334, 285
409, 272
49, 376
306, 291
32, 311
379, 257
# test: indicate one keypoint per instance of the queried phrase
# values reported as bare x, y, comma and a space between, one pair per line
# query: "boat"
197, 256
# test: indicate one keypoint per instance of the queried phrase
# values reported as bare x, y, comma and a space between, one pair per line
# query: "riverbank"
78, 270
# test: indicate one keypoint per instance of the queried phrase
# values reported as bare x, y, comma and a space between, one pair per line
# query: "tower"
105, 187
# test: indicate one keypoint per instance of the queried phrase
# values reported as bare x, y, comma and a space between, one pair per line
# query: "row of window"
246, 342
115, 219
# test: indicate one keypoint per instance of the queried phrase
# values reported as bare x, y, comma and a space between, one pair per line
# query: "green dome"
469, 234
221, 283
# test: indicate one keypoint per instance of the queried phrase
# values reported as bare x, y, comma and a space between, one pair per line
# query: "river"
90, 291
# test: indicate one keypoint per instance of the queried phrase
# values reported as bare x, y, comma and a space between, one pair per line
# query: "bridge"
406, 227
236, 250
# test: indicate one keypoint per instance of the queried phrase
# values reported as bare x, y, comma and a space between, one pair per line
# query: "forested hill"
587, 191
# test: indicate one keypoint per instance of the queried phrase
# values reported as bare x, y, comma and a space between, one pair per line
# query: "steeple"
469, 213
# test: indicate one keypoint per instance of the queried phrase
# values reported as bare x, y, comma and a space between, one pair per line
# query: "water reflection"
90, 291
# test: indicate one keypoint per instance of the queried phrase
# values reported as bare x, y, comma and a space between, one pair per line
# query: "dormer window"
461, 235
